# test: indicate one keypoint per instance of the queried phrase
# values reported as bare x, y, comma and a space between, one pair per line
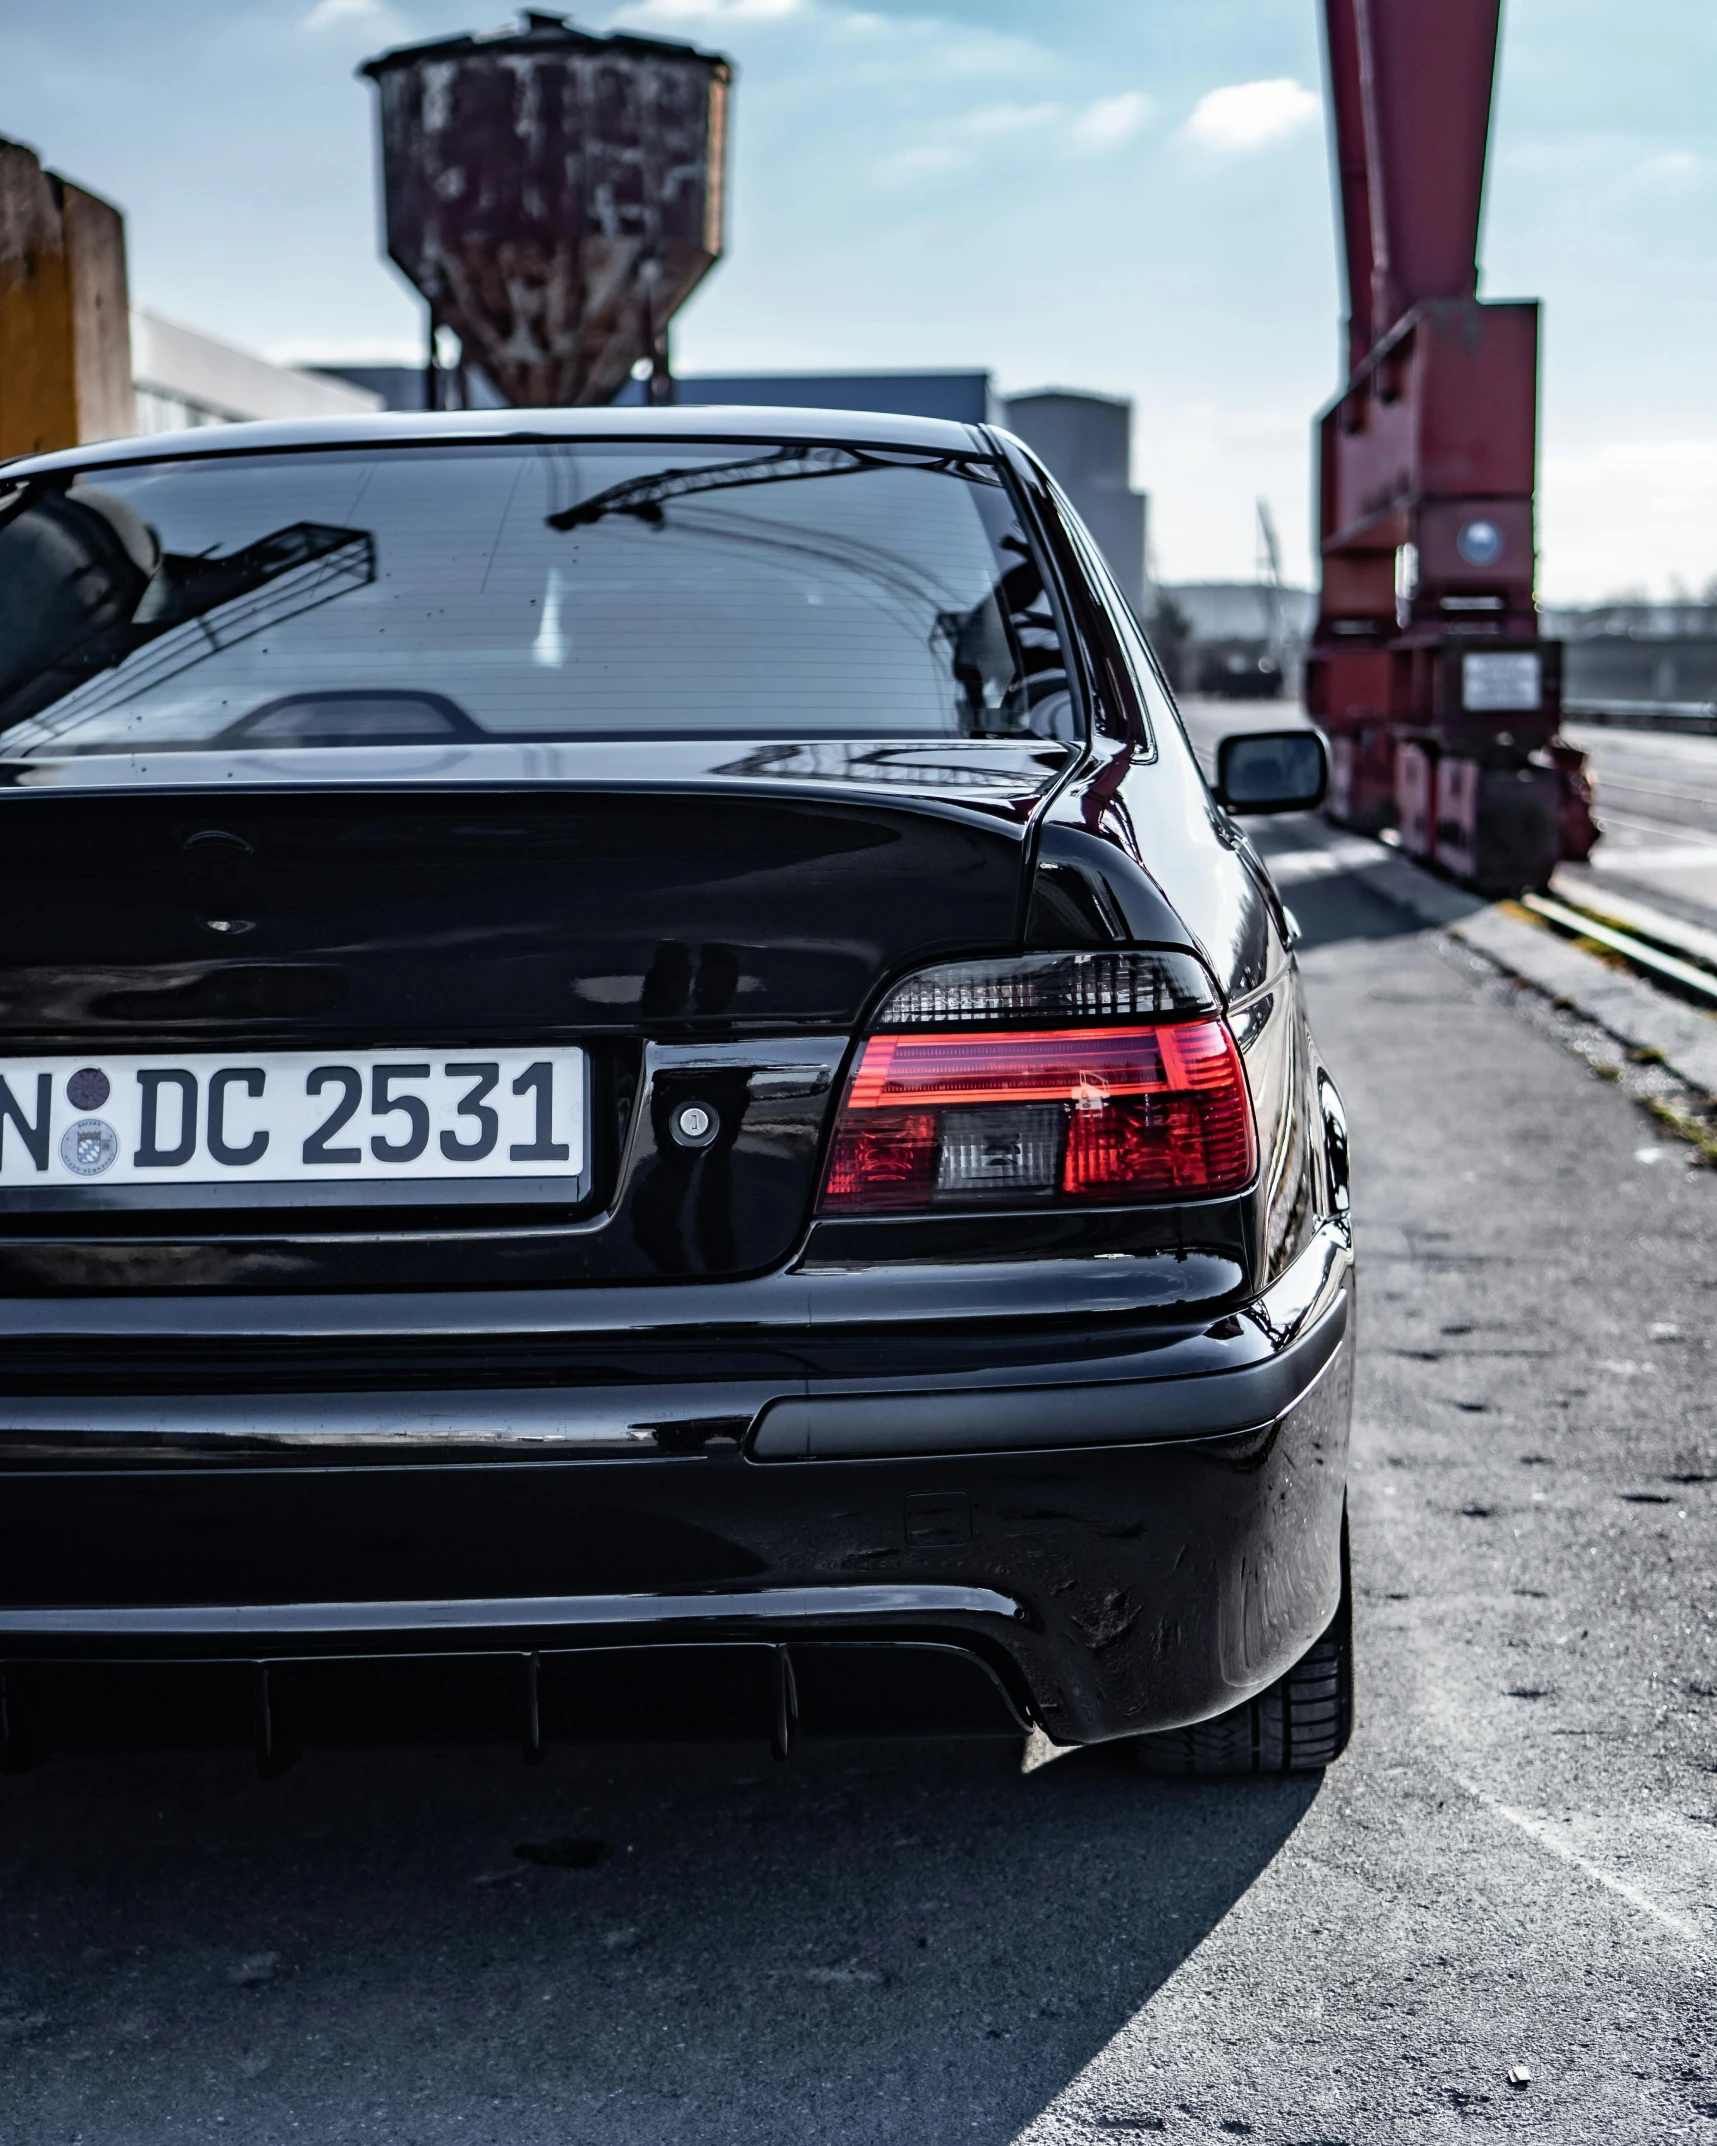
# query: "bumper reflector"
1029, 1117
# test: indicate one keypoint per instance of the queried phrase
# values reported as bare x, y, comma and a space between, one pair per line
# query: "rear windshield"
417, 596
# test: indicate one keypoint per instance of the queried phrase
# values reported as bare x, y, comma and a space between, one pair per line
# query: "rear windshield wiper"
644, 497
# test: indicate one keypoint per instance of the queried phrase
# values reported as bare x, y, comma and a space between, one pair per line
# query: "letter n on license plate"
417, 1115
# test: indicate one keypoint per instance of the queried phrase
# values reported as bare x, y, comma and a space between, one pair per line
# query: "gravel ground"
1515, 1865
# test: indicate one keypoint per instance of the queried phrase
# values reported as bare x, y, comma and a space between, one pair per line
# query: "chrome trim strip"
522, 1613
615, 1419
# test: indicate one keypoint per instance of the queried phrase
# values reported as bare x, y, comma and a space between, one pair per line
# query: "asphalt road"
1515, 1864
1657, 800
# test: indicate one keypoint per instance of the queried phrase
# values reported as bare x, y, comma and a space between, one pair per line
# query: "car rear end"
641, 1092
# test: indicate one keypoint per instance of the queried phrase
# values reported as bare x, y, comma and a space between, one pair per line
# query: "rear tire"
1300, 1724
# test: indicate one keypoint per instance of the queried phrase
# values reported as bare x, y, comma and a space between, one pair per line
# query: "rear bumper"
1125, 1530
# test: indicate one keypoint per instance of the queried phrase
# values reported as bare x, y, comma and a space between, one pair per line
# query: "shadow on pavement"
1330, 903
875, 1942
1338, 907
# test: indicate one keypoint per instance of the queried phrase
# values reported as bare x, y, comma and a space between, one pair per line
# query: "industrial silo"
555, 196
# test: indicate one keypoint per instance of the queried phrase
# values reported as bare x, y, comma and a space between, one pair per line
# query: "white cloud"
894, 50
374, 17
1669, 172
915, 50
1097, 127
713, 10
908, 166
1248, 116
993, 119
1110, 120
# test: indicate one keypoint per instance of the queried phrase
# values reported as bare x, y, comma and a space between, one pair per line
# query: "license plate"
294, 1118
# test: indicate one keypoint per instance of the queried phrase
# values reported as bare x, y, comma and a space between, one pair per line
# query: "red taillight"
1022, 1117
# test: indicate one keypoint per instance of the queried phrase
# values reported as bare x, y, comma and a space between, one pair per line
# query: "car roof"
402, 428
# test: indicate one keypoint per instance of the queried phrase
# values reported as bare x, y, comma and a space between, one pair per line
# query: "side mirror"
1272, 771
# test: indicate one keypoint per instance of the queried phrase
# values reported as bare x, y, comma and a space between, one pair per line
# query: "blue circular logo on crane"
1479, 543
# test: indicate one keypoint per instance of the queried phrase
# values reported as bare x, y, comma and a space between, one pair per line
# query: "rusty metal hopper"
555, 196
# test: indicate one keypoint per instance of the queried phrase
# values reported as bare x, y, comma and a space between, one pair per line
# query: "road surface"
1515, 1866
1657, 801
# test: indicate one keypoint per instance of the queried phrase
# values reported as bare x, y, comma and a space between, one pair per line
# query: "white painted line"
1633, 788
1652, 826
1676, 932
1636, 950
1540, 1830
1653, 860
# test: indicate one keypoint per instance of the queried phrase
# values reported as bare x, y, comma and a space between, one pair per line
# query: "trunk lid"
706, 933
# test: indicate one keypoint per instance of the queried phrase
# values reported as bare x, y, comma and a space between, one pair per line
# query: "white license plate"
293, 1117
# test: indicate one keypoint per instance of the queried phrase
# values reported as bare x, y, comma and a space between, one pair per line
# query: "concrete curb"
1624, 1006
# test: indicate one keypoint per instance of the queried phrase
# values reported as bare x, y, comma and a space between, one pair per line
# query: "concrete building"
1234, 639
183, 378
402, 387
1241, 610
1087, 440
1632, 654
967, 398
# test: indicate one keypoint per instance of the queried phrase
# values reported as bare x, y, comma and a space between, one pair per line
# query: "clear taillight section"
1024, 1117
1051, 991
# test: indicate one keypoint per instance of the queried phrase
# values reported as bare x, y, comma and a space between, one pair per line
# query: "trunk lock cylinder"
695, 1125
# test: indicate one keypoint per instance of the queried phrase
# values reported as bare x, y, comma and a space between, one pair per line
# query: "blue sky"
1129, 195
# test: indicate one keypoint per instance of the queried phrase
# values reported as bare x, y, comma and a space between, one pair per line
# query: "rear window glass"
415, 596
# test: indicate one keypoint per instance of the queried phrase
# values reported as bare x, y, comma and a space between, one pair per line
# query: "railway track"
1661, 948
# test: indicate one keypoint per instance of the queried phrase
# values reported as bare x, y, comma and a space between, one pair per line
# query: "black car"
642, 1090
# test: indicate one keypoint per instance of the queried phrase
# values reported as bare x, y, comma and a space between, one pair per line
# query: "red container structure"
1441, 699
555, 196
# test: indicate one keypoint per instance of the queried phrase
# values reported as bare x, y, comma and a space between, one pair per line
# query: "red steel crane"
1441, 699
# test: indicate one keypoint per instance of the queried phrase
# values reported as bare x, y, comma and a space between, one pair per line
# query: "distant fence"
1696, 716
